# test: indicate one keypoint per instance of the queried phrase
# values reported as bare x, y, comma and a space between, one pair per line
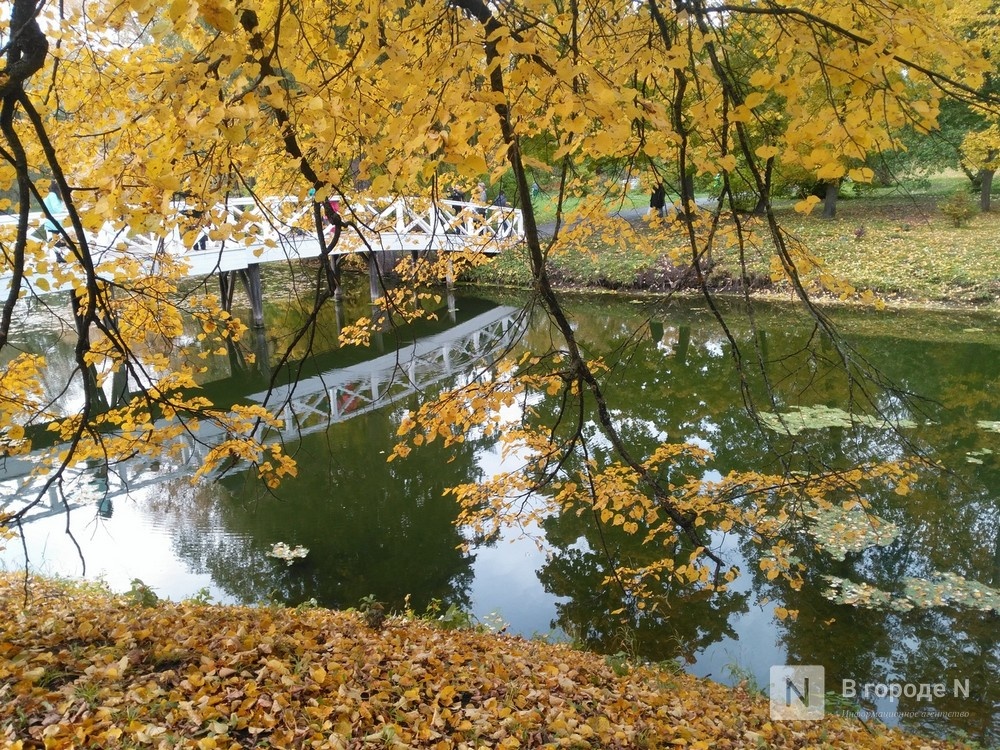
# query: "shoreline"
991, 308
82, 666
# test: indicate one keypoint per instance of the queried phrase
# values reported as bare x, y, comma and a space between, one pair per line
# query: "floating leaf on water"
844, 591
289, 554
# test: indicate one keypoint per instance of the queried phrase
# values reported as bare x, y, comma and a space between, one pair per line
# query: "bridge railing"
442, 223
244, 232
244, 221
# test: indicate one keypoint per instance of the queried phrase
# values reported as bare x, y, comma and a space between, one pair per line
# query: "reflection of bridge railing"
310, 405
244, 233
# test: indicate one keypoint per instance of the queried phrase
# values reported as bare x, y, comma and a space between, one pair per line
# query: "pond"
385, 529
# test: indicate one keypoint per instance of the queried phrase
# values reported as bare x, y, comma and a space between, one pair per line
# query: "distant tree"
981, 152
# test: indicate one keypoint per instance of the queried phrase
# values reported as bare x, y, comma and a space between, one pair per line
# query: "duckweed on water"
946, 589
800, 418
839, 531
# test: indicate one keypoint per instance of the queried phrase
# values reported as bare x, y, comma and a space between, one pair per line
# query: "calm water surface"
381, 529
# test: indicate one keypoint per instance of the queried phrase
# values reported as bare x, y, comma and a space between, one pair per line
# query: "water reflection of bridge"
305, 406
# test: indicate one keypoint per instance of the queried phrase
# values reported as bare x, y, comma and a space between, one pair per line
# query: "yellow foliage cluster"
82, 668
981, 150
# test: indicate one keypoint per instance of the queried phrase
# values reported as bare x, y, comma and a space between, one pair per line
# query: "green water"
386, 530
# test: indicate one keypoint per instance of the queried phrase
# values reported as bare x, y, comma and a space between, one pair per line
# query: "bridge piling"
338, 288
374, 274
250, 276
255, 291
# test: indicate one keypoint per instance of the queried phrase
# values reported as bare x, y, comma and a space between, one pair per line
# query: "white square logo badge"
797, 693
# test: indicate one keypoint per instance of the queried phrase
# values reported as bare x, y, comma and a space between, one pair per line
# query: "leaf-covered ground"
82, 668
900, 247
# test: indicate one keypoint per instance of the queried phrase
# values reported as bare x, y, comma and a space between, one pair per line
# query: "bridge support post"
374, 276
252, 284
338, 289
333, 277
119, 387
255, 290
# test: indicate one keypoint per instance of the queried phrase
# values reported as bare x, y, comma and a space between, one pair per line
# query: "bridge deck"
243, 234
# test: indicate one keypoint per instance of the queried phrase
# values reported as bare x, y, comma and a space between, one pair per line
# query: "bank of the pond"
80, 667
904, 251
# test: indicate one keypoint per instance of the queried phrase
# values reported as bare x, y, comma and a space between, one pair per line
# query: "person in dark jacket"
658, 200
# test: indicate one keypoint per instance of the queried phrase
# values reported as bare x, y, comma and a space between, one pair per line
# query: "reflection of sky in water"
506, 580
132, 543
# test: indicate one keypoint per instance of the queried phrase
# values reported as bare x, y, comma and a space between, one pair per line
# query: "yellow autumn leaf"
806, 205
218, 14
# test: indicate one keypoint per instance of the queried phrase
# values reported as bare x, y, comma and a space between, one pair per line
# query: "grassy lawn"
899, 245
904, 247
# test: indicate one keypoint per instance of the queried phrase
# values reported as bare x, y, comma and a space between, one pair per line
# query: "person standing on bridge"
502, 203
53, 229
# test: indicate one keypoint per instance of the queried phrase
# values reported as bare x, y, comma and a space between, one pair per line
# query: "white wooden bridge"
467, 350
242, 234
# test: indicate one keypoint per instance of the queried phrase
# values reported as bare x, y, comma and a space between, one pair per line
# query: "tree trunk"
986, 176
830, 199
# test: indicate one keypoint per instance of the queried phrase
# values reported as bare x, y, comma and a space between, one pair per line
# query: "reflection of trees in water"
371, 527
935, 646
682, 381
685, 622
949, 522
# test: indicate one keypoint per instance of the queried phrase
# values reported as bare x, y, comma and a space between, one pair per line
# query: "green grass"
905, 248
894, 242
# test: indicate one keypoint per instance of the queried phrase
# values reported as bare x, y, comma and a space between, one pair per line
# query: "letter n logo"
797, 693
